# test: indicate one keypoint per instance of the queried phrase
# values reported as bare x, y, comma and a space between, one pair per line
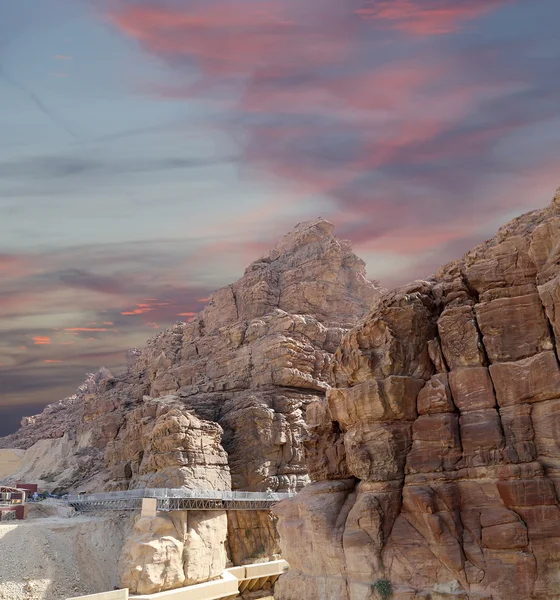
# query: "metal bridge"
177, 499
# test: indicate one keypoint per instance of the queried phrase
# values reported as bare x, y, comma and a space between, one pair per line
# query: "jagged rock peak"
308, 272
305, 233
58, 416
274, 330
131, 355
316, 232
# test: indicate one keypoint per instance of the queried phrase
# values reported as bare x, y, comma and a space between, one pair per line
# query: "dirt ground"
55, 557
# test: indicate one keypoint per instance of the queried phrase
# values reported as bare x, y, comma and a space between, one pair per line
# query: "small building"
12, 503
29, 488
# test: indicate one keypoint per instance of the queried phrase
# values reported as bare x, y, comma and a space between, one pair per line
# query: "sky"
151, 149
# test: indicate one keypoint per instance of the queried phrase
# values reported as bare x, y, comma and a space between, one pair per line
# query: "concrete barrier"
114, 595
232, 582
268, 569
256, 576
225, 588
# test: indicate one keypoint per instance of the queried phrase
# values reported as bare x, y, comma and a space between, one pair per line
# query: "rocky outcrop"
164, 446
58, 418
215, 403
160, 445
243, 370
173, 550
436, 454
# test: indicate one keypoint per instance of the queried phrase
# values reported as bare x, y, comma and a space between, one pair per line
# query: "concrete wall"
149, 507
115, 595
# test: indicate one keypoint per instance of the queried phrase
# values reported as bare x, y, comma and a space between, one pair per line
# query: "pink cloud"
149, 305
320, 99
41, 340
225, 38
387, 108
74, 329
426, 17
16, 265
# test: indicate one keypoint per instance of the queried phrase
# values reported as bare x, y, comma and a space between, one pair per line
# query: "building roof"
7, 488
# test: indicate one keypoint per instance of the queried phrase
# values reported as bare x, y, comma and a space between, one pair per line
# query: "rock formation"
216, 403
435, 457
246, 366
58, 418
173, 550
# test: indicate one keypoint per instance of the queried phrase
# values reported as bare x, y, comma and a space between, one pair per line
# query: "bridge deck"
177, 499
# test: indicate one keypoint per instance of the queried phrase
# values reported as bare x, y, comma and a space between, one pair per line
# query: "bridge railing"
166, 493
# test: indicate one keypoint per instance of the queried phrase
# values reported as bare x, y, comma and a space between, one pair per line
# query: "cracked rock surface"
435, 457
219, 401
216, 403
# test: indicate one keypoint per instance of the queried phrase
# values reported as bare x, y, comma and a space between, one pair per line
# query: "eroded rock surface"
436, 454
216, 403
246, 367
173, 550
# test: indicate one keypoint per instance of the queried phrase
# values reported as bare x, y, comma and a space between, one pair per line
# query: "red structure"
30, 488
12, 503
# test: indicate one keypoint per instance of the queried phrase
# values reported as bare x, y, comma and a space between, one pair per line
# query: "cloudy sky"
150, 149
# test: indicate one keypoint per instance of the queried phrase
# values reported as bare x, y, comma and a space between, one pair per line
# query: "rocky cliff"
239, 375
215, 403
436, 454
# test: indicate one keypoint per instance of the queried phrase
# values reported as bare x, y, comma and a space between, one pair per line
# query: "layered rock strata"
436, 455
247, 365
215, 403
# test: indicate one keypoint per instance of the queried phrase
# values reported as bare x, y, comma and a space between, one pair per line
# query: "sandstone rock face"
436, 454
160, 445
152, 557
246, 367
216, 403
252, 537
173, 550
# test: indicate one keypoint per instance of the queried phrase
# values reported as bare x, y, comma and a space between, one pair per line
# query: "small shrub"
259, 552
384, 588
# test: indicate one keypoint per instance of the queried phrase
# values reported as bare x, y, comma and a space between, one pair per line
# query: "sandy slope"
10, 462
54, 558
